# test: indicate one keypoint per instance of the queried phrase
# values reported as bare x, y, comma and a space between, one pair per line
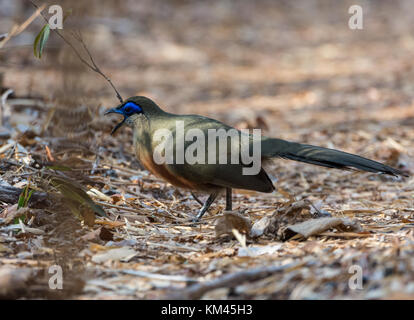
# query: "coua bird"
146, 117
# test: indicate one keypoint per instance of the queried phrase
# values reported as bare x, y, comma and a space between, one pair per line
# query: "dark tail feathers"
323, 156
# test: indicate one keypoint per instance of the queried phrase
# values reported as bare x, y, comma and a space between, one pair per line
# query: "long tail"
322, 156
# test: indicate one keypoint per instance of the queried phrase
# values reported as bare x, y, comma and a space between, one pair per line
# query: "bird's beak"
116, 110
113, 110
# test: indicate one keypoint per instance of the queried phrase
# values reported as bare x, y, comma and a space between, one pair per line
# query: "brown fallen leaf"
9, 210
317, 226
11, 213
91, 236
95, 247
229, 221
117, 199
347, 235
259, 250
289, 213
105, 234
259, 227
101, 233
88, 216
110, 224
286, 195
4, 249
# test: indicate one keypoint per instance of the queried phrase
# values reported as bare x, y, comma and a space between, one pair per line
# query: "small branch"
196, 291
19, 29
93, 66
197, 199
157, 276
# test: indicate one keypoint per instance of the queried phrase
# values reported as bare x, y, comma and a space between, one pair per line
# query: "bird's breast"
165, 171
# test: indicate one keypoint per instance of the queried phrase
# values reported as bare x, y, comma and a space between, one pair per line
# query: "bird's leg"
197, 199
228, 200
206, 205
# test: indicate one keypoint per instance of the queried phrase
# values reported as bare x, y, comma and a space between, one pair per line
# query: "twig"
150, 275
158, 276
230, 281
197, 199
95, 67
27, 102
19, 29
173, 248
92, 66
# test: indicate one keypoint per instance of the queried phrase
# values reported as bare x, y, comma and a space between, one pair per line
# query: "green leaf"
26, 200
40, 41
20, 203
24, 197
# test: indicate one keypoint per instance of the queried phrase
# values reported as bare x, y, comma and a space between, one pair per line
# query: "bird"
214, 177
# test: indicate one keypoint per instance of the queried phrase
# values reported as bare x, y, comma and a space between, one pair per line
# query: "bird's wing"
214, 171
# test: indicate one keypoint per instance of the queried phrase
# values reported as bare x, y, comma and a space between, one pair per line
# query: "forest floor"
298, 73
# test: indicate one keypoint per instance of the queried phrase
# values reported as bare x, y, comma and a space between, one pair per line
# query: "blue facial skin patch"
127, 110
130, 108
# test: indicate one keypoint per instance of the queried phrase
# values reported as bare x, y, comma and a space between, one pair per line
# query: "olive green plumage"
216, 177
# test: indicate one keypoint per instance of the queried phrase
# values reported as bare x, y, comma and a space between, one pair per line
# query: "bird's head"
133, 107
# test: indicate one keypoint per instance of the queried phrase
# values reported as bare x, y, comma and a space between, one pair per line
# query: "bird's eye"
128, 109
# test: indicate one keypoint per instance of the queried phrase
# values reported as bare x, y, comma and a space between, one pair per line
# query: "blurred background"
294, 69
290, 67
